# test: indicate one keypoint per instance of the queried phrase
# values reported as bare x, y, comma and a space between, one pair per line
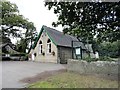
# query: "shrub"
104, 58
109, 49
88, 59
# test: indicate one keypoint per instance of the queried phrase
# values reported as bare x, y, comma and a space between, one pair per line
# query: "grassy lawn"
73, 80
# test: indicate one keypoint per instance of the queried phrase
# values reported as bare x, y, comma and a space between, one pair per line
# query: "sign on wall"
78, 51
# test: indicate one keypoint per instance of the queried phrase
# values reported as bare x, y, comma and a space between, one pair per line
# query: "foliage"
103, 58
88, 19
5, 39
43, 84
109, 49
88, 59
95, 45
13, 24
4, 50
22, 45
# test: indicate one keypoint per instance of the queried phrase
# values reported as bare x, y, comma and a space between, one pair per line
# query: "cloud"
36, 12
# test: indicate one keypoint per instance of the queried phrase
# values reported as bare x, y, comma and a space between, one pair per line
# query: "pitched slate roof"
60, 39
9, 47
5, 44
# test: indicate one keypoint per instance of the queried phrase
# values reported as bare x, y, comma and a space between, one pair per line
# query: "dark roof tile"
61, 39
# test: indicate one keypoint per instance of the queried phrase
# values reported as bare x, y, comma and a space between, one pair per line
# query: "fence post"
81, 51
72, 49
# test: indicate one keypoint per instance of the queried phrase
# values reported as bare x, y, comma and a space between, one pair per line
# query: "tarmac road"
14, 71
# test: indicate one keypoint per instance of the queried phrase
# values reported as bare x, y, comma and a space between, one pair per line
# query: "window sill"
49, 53
40, 54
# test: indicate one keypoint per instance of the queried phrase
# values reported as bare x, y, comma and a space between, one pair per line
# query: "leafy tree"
88, 19
5, 39
22, 45
13, 24
109, 49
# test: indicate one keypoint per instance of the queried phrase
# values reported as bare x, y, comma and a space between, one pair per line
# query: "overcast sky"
36, 12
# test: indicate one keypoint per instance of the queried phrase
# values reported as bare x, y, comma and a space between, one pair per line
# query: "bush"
88, 59
109, 49
105, 58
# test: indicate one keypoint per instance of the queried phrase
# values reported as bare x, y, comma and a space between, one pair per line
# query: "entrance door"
33, 57
62, 56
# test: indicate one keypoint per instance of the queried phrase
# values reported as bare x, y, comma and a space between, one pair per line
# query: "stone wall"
98, 67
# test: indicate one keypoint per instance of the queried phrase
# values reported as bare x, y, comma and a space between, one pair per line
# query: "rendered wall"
47, 57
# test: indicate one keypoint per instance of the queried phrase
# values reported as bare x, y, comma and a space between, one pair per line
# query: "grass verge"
73, 80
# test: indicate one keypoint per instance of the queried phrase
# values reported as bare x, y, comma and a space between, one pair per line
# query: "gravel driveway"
14, 71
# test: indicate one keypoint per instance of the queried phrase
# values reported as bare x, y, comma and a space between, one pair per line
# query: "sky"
37, 13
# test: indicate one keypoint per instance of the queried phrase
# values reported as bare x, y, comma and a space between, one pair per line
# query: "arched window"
49, 46
40, 42
40, 47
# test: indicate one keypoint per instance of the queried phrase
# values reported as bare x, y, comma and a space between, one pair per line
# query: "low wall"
98, 67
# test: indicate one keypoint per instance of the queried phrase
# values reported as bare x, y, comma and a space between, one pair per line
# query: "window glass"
48, 46
40, 47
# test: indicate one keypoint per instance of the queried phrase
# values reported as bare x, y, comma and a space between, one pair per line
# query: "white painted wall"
47, 57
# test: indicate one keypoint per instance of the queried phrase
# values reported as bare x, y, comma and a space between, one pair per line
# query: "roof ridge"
59, 31
52, 28
66, 35
58, 37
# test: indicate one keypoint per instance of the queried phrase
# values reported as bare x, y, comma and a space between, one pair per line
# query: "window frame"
49, 46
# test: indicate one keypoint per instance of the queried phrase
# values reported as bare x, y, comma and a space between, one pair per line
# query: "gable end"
40, 36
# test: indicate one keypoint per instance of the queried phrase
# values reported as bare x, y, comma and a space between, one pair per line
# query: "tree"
13, 23
109, 49
5, 39
22, 45
88, 19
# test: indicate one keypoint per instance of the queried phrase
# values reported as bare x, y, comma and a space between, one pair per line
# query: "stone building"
8, 48
54, 46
